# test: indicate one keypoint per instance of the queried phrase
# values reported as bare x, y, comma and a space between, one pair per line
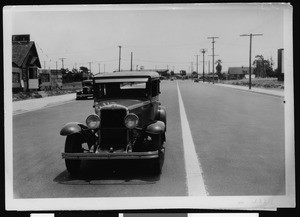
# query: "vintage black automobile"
86, 91
129, 123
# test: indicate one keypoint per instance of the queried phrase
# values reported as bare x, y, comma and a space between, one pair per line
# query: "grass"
271, 83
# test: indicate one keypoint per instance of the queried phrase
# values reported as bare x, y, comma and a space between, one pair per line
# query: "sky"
158, 36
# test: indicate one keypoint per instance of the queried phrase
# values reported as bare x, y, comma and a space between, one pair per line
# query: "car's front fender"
162, 115
71, 128
157, 127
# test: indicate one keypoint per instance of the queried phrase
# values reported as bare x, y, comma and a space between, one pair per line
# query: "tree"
219, 68
194, 74
63, 71
75, 71
263, 68
83, 69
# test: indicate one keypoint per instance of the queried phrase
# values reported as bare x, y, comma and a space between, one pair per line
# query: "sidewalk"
272, 92
34, 104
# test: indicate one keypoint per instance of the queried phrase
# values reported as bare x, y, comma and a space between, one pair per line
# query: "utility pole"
213, 65
120, 57
197, 63
99, 67
56, 74
213, 55
250, 35
131, 61
192, 68
203, 52
62, 62
90, 63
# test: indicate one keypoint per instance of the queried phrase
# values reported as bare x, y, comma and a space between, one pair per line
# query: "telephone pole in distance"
203, 52
213, 55
197, 64
90, 70
120, 57
250, 35
131, 61
62, 62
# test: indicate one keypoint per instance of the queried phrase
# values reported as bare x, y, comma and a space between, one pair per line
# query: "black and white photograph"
149, 106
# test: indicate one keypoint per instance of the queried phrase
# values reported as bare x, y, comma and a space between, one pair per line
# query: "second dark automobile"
129, 122
86, 90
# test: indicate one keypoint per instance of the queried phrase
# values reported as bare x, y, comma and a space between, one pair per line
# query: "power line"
250, 50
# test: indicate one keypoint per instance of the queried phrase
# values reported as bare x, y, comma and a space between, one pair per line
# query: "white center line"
195, 181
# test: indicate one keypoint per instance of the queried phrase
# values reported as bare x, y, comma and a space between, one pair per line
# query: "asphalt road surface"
236, 138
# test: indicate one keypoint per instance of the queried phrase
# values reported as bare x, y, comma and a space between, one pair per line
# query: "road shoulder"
35, 104
272, 92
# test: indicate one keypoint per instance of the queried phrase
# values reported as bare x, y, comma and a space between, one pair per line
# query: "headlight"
131, 121
93, 121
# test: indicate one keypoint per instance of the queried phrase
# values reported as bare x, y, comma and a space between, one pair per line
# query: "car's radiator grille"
113, 131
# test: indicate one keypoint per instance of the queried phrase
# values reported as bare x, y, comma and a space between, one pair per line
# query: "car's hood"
128, 103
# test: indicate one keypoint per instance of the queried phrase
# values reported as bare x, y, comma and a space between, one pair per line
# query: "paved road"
238, 139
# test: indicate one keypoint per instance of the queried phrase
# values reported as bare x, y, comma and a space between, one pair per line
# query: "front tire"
73, 145
157, 143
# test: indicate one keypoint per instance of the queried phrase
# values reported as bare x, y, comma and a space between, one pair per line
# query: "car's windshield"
121, 90
87, 83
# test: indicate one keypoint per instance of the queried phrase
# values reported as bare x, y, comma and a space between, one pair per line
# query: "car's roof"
128, 74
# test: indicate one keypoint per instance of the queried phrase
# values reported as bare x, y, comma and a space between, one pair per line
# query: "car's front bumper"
111, 156
84, 95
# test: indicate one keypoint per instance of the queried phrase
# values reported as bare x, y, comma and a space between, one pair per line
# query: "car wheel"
73, 145
158, 162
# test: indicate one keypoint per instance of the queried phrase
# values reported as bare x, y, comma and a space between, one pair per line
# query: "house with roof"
25, 62
239, 72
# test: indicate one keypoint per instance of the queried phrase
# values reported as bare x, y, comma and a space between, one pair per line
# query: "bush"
258, 82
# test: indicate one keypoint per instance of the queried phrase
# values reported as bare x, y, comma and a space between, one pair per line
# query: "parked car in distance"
86, 90
129, 123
